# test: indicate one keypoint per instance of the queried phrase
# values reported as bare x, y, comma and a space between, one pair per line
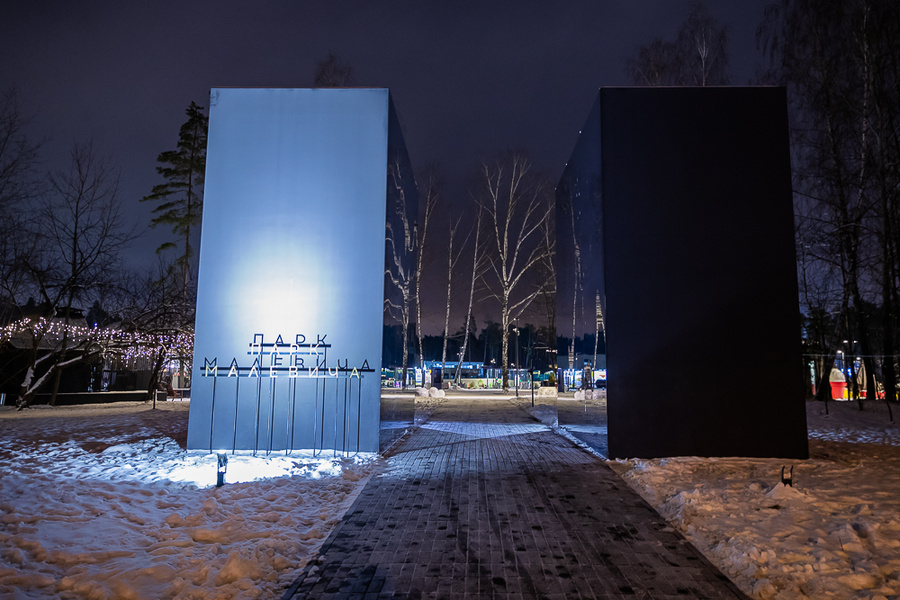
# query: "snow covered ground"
834, 534
101, 502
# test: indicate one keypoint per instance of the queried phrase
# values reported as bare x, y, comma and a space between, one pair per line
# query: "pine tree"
180, 197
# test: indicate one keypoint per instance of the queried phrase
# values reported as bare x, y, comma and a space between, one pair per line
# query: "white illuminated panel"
291, 271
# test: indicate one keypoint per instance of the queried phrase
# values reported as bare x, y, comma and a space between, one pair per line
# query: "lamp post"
531, 375
531, 378
516, 330
492, 374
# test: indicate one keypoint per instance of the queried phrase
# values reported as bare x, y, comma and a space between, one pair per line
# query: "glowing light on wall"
290, 294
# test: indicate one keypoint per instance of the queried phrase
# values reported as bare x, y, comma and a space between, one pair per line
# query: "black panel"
579, 252
402, 209
702, 319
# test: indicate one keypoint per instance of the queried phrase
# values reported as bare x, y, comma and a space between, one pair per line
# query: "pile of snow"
547, 391
590, 395
103, 502
432, 392
834, 534
544, 413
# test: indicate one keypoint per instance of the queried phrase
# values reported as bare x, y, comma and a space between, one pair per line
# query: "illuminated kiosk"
288, 340
675, 220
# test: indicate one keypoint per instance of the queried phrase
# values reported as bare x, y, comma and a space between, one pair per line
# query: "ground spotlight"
222, 465
789, 479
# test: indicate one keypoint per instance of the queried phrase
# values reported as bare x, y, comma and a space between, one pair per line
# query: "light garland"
127, 344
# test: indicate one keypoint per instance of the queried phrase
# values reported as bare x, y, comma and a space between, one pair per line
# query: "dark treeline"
840, 62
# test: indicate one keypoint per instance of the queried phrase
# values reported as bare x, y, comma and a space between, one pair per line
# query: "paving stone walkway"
484, 502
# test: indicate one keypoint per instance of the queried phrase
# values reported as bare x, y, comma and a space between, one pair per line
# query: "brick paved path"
483, 502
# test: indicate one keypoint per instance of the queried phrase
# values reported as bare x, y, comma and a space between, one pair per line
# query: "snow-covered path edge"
101, 502
834, 534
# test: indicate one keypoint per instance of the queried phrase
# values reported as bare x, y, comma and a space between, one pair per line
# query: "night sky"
469, 79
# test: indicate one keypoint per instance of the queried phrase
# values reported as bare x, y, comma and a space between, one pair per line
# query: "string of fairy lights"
124, 345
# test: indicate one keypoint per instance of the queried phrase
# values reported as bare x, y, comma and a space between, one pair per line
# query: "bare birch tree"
452, 260
516, 203
577, 291
702, 49
698, 56
546, 272
478, 268
430, 182
401, 240
653, 64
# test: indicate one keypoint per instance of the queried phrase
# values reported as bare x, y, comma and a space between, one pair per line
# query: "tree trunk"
475, 269
154, 374
430, 202
450, 264
864, 346
405, 360
887, 320
25, 394
577, 285
419, 335
26, 390
823, 393
62, 355
55, 390
504, 337
888, 292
